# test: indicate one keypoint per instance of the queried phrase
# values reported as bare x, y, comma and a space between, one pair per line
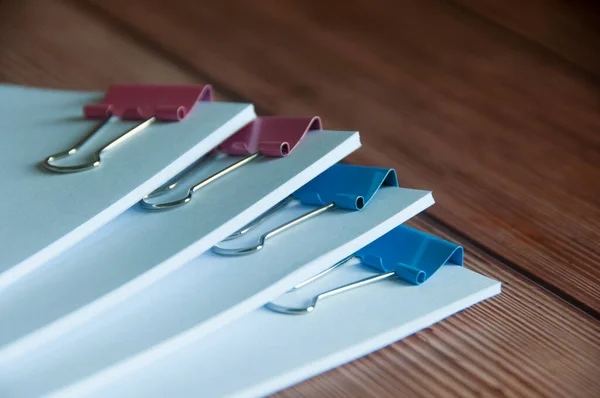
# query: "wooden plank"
570, 28
507, 137
48, 44
524, 342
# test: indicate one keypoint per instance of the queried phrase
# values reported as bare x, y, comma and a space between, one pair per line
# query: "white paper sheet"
44, 213
212, 291
265, 352
139, 247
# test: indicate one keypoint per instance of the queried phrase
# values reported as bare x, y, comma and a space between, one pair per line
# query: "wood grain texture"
47, 44
525, 342
505, 134
569, 28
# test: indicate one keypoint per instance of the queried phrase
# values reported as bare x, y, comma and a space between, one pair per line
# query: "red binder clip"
269, 136
145, 102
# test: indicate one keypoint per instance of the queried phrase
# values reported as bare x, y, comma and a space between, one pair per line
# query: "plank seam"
512, 266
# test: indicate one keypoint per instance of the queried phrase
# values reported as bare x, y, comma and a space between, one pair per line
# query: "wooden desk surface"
493, 105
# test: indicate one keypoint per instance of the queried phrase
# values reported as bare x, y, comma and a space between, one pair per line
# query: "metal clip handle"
261, 241
49, 161
245, 229
329, 293
188, 197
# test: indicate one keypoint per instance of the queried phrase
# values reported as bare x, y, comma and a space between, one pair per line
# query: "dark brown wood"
505, 133
525, 342
48, 44
569, 28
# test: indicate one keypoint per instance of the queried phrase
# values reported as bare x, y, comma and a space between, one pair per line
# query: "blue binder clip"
411, 254
342, 186
348, 186
404, 253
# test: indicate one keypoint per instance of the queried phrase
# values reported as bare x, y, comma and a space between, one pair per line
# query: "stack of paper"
42, 213
142, 306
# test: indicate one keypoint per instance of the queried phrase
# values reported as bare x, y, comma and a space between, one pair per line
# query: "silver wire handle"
259, 219
315, 299
179, 202
49, 161
261, 241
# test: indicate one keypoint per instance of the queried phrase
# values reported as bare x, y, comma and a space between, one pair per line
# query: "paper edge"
367, 347
179, 341
41, 257
62, 325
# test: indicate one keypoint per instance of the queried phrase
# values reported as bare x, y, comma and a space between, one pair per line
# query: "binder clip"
145, 102
343, 186
403, 253
268, 136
